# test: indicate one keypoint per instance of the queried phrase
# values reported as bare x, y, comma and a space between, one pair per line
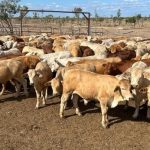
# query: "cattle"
99, 50
74, 49
46, 46
38, 77
12, 70
86, 51
101, 65
140, 78
28, 62
32, 51
58, 45
120, 67
12, 51
123, 54
117, 47
50, 59
104, 88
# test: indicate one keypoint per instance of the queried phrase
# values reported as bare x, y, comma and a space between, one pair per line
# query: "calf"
38, 77
140, 78
104, 88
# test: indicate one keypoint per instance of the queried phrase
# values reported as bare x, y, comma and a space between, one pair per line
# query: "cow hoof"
37, 107
105, 126
44, 105
61, 116
79, 114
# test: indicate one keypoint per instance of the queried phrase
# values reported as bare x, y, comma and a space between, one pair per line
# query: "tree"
138, 19
118, 13
131, 20
119, 16
8, 8
76, 10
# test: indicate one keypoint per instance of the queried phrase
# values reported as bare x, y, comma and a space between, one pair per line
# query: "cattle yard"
120, 51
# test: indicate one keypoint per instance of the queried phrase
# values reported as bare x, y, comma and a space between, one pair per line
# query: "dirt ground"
24, 128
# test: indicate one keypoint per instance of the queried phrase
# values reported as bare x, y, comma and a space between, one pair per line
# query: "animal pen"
52, 25
33, 22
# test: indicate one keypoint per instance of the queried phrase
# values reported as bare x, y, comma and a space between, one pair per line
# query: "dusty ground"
24, 128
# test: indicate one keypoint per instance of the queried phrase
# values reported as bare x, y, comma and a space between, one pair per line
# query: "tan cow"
104, 88
12, 70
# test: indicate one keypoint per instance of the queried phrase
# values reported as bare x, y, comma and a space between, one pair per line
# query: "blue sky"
102, 7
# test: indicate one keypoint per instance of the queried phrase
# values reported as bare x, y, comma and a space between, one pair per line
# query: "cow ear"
117, 89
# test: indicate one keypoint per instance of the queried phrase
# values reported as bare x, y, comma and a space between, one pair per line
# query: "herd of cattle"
91, 68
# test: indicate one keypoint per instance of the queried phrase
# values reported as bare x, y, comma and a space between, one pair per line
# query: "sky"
104, 8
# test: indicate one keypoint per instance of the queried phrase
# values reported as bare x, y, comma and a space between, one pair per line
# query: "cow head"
56, 86
122, 92
125, 87
136, 77
34, 76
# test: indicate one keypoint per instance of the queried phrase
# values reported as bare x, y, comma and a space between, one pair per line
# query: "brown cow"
118, 68
29, 62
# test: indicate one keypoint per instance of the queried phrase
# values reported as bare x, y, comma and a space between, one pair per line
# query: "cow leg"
137, 108
44, 96
38, 96
17, 88
3, 89
24, 83
104, 110
75, 104
148, 105
64, 99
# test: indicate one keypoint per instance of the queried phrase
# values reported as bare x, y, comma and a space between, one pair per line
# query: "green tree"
118, 13
131, 20
139, 19
119, 16
8, 8
76, 10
